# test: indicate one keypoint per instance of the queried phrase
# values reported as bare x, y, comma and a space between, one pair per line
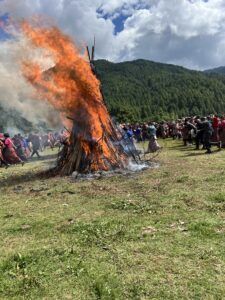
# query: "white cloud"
186, 32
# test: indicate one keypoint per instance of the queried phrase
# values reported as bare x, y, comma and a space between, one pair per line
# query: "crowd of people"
20, 148
198, 131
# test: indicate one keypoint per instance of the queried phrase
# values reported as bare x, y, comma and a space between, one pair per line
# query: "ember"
72, 88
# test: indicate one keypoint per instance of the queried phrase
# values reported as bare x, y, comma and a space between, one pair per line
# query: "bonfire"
72, 88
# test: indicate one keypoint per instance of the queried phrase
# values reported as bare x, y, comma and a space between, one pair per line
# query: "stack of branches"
84, 154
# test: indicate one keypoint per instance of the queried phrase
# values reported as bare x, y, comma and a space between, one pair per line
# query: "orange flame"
72, 89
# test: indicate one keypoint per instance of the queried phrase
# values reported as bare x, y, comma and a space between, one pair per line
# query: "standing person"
163, 130
44, 142
186, 131
51, 141
2, 160
138, 133
130, 132
207, 134
179, 127
222, 132
199, 134
26, 147
215, 126
173, 130
9, 151
18, 142
144, 132
36, 144
153, 145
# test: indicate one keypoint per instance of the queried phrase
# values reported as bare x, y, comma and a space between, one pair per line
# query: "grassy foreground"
157, 235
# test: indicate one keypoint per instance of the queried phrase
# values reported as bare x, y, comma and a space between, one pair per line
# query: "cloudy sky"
190, 33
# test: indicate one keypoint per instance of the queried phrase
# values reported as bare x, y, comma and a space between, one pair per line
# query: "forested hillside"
145, 90
11, 119
142, 90
219, 70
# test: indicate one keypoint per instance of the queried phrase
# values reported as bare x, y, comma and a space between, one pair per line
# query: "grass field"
159, 234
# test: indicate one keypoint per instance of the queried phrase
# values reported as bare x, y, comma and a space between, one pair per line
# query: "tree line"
142, 90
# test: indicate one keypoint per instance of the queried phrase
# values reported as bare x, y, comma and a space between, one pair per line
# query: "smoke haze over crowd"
16, 93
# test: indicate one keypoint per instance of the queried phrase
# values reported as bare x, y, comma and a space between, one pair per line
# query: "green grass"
159, 234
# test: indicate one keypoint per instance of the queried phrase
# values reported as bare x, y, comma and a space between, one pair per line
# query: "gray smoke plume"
16, 93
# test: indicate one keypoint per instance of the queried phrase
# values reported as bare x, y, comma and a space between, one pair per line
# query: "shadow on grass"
194, 154
31, 175
201, 153
43, 158
25, 178
177, 146
189, 148
181, 147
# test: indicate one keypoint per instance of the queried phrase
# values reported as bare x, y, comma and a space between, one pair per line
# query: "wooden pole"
88, 52
93, 52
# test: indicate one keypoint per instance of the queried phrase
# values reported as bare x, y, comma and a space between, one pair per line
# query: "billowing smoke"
17, 95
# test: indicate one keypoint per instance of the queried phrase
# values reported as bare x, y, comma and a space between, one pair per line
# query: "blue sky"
120, 16
119, 23
3, 34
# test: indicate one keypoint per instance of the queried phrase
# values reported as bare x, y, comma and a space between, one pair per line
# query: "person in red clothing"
9, 151
215, 125
2, 159
222, 131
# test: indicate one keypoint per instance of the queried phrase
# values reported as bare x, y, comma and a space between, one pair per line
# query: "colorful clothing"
2, 146
9, 153
222, 133
153, 145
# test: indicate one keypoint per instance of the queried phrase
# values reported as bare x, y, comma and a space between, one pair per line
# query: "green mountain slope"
11, 120
143, 90
219, 70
